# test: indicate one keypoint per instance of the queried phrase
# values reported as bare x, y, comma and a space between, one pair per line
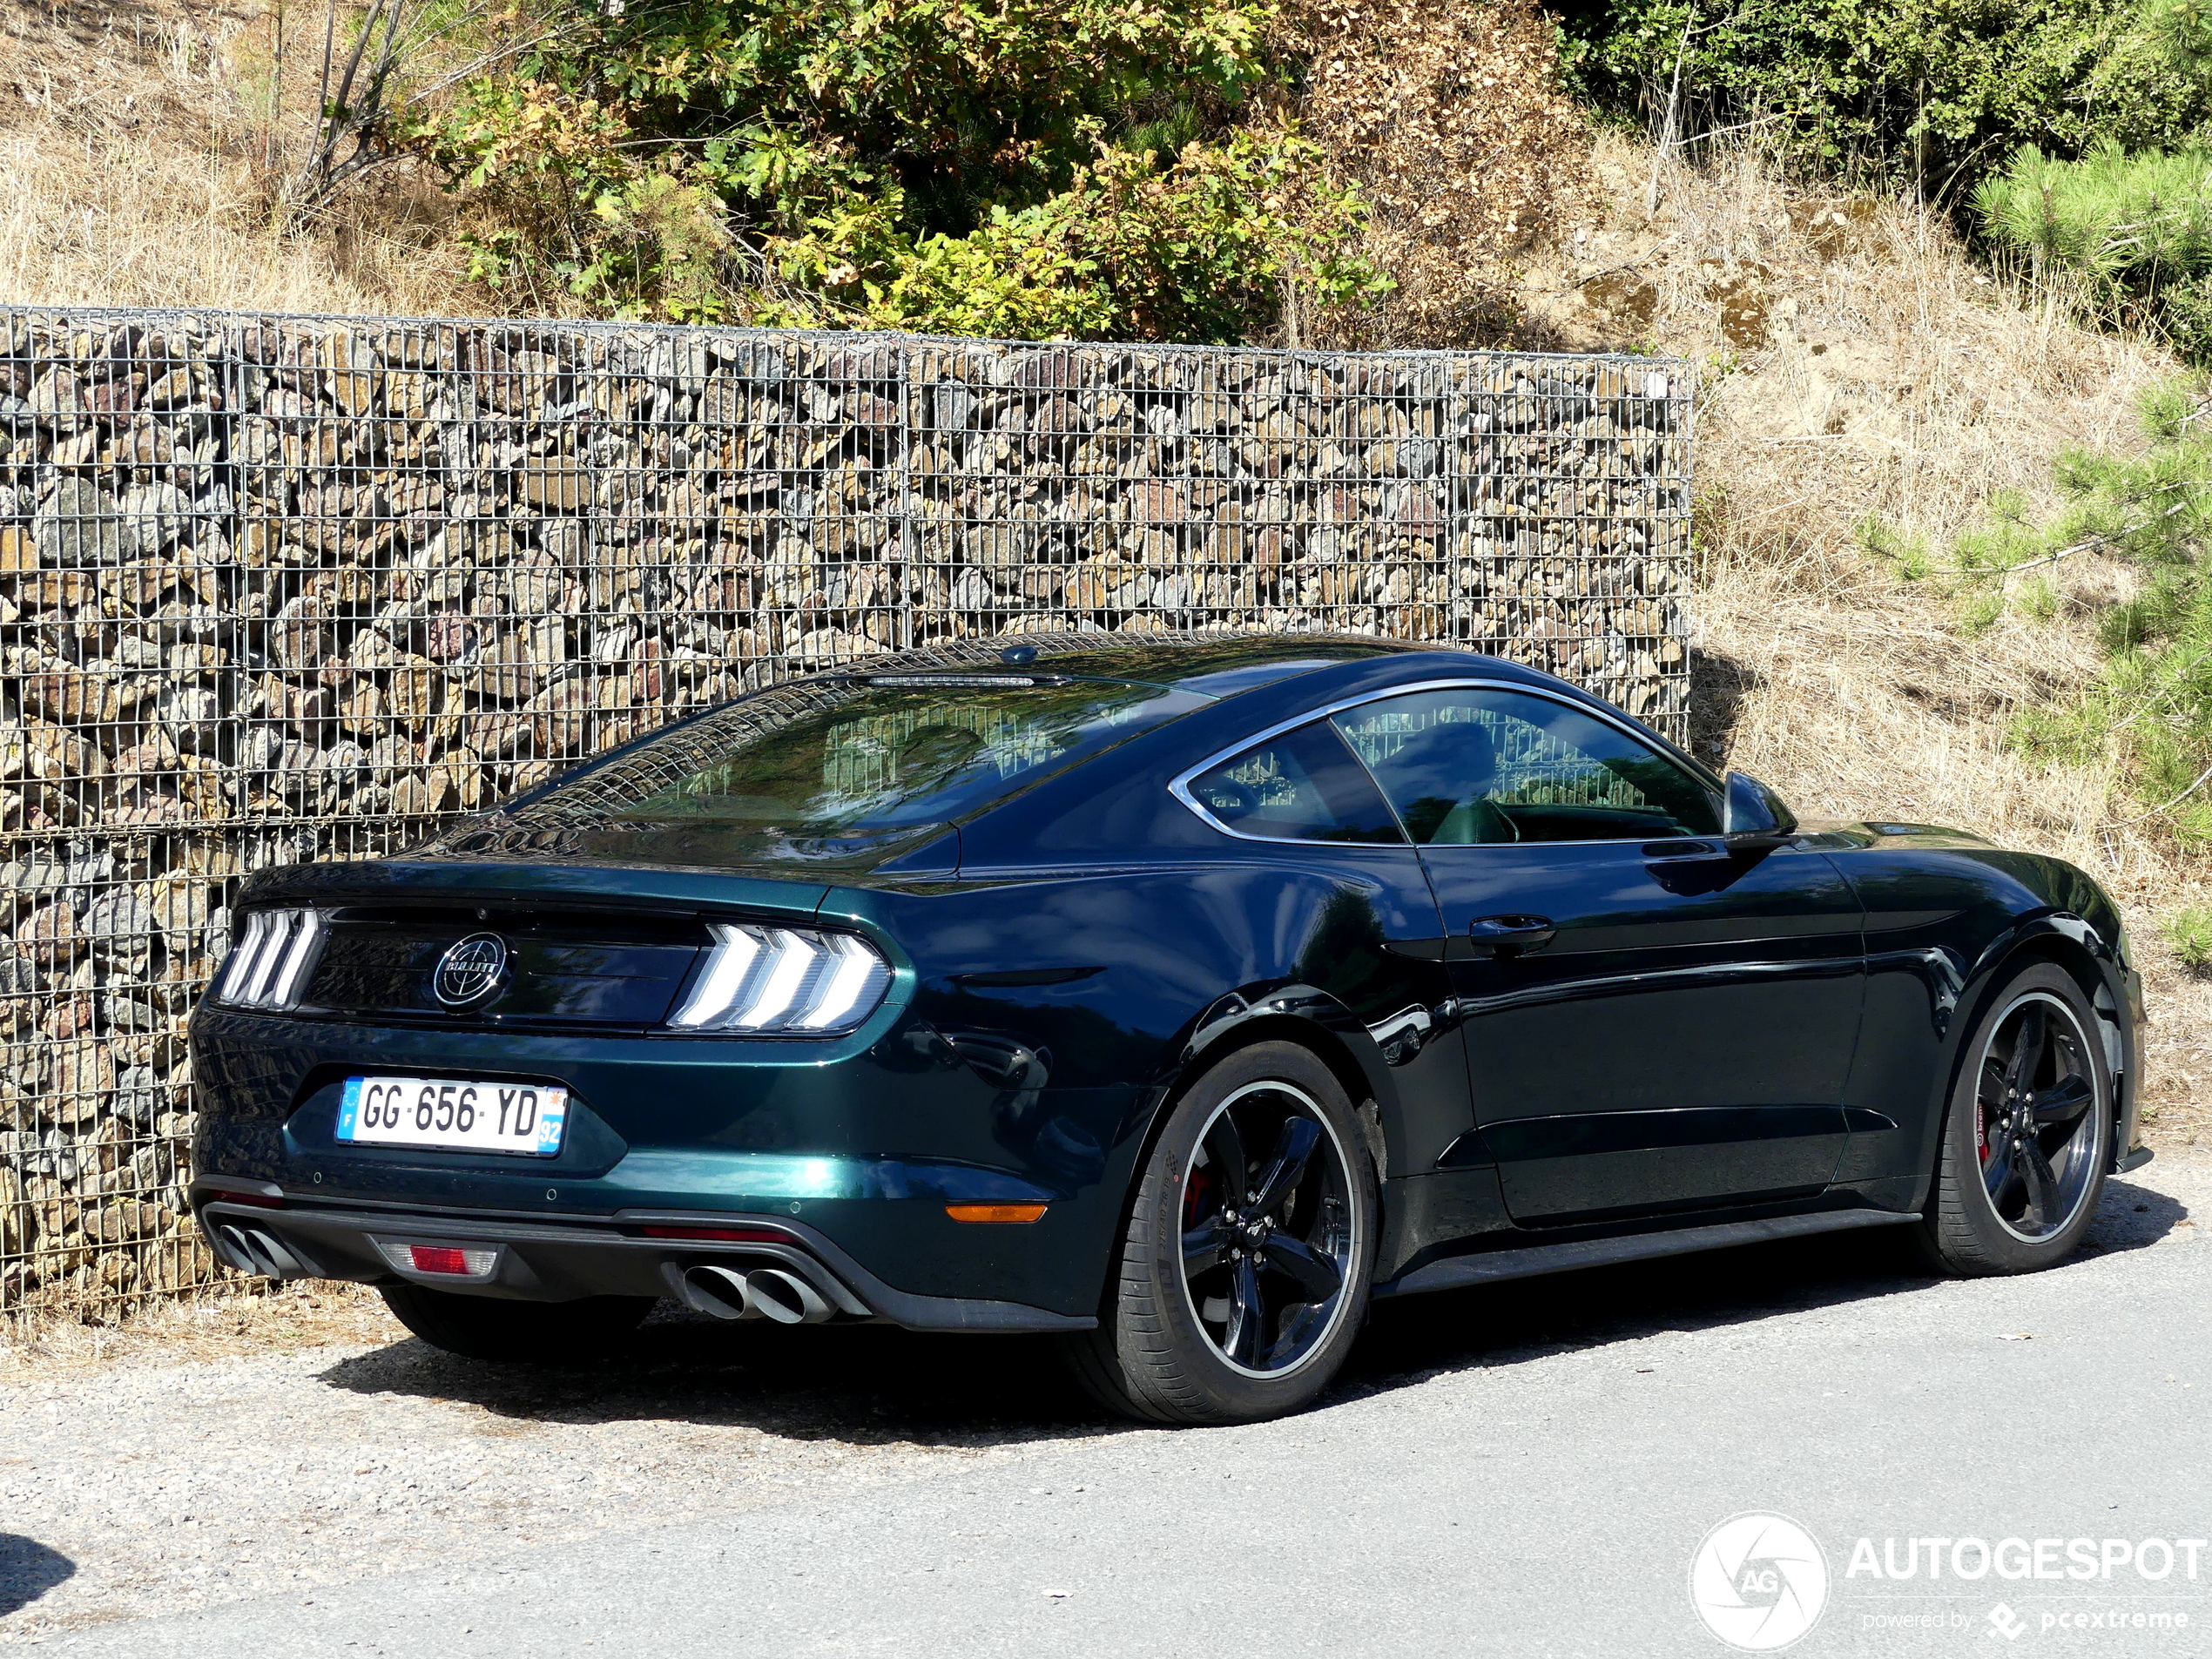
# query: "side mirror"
1755, 816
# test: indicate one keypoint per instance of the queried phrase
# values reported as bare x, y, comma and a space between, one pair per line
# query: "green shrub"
2189, 932
1895, 92
930, 164
2136, 228
2151, 706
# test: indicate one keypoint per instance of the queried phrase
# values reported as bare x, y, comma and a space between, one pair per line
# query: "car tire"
489, 1327
1221, 1309
2027, 1137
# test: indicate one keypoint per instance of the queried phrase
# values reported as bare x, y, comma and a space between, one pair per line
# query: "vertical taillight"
784, 979
268, 967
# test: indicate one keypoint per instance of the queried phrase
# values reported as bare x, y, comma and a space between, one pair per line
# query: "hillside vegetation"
1928, 587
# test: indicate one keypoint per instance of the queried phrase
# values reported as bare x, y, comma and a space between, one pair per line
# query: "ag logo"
1758, 1582
470, 970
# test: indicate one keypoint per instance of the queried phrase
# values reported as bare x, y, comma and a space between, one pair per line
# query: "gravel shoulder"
166, 1484
306, 1460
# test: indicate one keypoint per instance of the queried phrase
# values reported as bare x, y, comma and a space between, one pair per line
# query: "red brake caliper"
1194, 1192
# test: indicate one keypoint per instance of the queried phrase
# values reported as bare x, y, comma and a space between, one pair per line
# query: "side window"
1304, 785
1477, 766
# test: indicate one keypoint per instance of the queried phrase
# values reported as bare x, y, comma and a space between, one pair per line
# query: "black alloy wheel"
2037, 1138
1266, 1234
1244, 1275
2028, 1138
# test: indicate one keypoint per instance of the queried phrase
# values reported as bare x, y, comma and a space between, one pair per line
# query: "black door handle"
1511, 935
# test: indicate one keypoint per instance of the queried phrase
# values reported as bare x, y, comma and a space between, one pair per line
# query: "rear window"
856, 759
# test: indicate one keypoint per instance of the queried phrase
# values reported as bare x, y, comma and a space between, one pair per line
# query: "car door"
1652, 1018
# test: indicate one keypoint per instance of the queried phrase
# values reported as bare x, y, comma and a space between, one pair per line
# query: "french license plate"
523, 1119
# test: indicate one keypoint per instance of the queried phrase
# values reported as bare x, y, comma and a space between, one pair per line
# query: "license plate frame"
454, 1114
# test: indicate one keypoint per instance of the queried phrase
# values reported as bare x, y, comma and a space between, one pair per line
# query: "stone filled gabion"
275, 588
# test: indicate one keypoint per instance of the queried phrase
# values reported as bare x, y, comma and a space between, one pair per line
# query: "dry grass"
1859, 366
134, 148
279, 1319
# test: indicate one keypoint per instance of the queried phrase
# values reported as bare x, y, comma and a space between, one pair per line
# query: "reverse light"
784, 979
268, 967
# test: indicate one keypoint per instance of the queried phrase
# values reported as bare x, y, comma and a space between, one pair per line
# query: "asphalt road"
1526, 1470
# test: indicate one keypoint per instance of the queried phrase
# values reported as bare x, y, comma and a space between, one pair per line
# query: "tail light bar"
269, 965
784, 979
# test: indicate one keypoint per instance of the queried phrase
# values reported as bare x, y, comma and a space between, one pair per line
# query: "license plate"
522, 1119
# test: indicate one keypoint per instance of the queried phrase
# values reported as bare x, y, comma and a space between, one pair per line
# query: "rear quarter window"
1304, 785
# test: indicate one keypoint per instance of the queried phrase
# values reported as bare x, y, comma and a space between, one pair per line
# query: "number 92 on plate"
525, 1120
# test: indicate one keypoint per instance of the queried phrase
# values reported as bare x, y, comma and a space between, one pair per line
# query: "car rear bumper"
867, 1144
534, 1259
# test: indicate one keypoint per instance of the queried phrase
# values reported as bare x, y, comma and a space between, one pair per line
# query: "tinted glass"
1485, 765
807, 766
1303, 785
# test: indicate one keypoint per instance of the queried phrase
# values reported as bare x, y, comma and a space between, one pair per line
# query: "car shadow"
2134, 1217
28, 1570
870, 1385
856, 1383
1525, 1320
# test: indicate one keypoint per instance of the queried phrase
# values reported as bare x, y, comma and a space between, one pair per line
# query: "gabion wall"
277, 588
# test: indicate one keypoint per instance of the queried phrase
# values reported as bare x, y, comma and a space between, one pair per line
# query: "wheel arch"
2077, 949
1264, 1020
1324, 1045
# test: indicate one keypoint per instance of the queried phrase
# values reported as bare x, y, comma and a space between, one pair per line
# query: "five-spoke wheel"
1251, 1241
2038, 1137
2028, 1137
1266, 1239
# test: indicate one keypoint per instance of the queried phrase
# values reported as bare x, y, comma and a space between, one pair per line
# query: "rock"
50, 937
17, 1226
562, 486
78, 526
118, 926
153, 516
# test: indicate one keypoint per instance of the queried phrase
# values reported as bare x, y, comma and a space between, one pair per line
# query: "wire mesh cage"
286, 588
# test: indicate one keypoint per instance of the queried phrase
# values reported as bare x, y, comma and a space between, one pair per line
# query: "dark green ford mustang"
1179, 997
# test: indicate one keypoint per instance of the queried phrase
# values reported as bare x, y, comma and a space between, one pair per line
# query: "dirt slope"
136, 144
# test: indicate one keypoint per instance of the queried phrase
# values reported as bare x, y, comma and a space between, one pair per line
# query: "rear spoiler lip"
529, 881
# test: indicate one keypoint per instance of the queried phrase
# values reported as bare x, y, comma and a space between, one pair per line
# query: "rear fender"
1300, 1013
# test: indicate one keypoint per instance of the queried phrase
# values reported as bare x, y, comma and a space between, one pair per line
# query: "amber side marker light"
999, 1212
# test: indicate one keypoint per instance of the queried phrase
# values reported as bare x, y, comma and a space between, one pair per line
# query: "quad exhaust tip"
763, 1293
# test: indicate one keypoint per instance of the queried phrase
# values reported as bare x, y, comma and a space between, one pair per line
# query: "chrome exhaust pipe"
233, 1250
765, 1293
719, 1292
259, 1253
784, 1297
